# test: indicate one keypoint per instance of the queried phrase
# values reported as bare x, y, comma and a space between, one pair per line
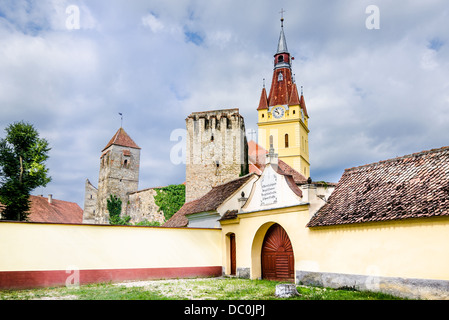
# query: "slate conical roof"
282, 44
121, 138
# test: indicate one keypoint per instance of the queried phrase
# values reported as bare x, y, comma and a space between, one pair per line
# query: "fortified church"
217, 150
253, 211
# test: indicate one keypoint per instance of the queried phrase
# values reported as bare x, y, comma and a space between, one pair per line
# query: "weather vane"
121, 119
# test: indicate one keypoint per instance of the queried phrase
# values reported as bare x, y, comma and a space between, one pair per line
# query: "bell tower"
119, 173
282, 115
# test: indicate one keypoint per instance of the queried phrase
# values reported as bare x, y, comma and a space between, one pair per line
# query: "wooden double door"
277, 255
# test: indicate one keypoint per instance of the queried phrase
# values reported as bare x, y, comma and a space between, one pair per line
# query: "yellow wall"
28, 246
412, 249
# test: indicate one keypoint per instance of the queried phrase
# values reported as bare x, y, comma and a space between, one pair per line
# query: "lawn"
187, 289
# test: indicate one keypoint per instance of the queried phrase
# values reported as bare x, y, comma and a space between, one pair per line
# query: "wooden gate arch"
277, 258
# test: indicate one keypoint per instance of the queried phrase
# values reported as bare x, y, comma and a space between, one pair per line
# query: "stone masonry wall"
216, 150
119, 176
141, 206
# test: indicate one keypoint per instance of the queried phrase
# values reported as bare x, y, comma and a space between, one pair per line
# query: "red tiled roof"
411, 186
121, 138
257, 156
56, 212
263, 103
302, 104
280, 90
294, 97
209, 202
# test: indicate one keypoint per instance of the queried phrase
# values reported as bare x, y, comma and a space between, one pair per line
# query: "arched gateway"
277, 257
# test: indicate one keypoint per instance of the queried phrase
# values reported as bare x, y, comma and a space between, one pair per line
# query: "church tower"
119, 173
282, 115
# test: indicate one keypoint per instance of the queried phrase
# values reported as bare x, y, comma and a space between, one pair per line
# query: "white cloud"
371, 94
153, 23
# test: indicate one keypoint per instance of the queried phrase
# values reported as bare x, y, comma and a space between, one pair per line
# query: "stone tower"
217, 150
119, 173
283, 118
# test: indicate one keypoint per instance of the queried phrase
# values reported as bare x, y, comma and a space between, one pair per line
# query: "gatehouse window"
286, 140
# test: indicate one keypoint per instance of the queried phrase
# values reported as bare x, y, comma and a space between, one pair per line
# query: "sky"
375, 77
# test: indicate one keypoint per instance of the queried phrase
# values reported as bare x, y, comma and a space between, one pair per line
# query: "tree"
114, 205
22, 169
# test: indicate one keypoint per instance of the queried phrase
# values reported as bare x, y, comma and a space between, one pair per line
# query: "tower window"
286, 140
281, 59
280, 76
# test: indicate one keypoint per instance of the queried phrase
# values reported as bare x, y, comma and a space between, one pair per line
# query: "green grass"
191, 289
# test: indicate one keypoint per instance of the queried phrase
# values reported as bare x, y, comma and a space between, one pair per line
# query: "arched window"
281, 59
286, 140
280, 76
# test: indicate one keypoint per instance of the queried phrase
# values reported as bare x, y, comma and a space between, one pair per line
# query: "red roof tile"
280, 90
209, 202
257, 159
411, 186
302, 104
121, 138
263, 103
294, 97
57, 211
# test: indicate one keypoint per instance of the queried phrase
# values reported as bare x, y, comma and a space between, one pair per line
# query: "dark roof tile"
412, 186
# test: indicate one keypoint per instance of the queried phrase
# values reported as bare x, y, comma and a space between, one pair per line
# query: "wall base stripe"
52, 278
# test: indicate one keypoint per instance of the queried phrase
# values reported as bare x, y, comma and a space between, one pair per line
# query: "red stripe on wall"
52, 278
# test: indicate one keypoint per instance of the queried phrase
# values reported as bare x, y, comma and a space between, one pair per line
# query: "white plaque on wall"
269, 189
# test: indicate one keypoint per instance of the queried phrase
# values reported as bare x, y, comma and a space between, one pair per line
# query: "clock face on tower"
278, 112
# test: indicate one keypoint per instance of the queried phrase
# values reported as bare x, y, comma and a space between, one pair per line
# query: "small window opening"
280, 76
286, 140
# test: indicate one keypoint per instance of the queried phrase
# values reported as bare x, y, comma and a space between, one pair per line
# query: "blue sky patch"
194, 37
435, 44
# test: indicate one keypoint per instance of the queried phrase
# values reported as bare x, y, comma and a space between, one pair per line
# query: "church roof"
263, 103
412, 186
294, 97
209, 202
257, 156
121, 138
281, 87
282, 43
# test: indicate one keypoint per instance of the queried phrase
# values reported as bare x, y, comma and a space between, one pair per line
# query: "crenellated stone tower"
217, 150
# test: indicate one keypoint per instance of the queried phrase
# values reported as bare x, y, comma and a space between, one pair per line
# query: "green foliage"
114, 205
22, 168
147, 223
170, 199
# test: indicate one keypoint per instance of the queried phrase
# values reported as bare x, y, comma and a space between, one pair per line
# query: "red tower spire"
282, 85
